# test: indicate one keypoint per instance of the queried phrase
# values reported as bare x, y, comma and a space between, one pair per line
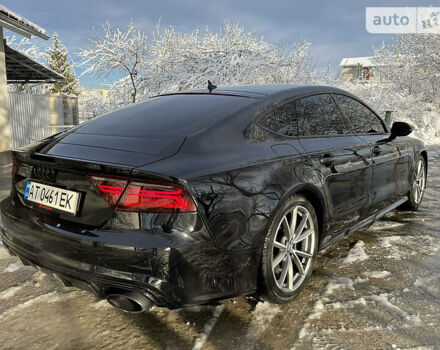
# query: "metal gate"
34, 117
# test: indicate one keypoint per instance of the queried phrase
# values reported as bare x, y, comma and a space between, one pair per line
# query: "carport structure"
18, 69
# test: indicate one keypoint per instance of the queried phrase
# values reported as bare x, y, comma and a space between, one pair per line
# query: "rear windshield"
173, 116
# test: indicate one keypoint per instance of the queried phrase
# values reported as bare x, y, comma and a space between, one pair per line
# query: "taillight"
110, 188
142, 196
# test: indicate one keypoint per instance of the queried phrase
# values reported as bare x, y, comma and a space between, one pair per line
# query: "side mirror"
400, 129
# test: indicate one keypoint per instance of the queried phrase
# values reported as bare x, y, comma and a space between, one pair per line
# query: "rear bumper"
172, 268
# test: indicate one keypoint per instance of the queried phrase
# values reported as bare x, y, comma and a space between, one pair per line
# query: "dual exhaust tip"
126, 301
132, 302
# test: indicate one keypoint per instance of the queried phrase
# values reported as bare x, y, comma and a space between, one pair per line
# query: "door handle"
327, 160
376, 150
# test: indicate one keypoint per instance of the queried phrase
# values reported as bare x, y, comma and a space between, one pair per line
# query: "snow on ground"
383, 225
261, 318
316, 313
10, 292
377, 274
357, 253
52, 297
339, 283
402, 247
383, 300
208, 328
12, 267
348, 304
431, 284
102, 304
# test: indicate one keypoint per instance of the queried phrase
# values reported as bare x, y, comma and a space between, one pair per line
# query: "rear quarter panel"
239, 204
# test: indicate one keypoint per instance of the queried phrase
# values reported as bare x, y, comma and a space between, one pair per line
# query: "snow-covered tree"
231, 56
175, 61
92, 104
411, 62
57, 57
422, 115
119, 52
28, 48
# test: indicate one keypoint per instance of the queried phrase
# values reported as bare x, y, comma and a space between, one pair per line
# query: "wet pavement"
377, 289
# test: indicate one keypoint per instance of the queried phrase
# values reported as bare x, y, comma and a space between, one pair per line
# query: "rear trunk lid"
67, 160
119, 150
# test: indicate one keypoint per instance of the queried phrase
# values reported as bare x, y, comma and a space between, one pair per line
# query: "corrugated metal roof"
22, 69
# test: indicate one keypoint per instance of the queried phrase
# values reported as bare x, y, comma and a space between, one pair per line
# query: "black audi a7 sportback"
202, 195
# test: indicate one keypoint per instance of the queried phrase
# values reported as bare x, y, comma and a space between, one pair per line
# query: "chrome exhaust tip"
129, 302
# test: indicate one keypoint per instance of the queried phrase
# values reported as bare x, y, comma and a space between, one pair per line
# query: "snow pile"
405, 246
377, 274
12, 267
348, 304
357, 253
339, 283
10, 292
391, 244
431, 284
383, 225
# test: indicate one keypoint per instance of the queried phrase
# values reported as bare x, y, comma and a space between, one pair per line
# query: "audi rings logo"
44, 172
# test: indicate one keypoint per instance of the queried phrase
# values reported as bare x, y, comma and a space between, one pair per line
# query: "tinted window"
364, 121
175, 115
281, 120
319, 115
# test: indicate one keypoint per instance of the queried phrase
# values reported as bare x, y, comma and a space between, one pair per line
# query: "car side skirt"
364, 223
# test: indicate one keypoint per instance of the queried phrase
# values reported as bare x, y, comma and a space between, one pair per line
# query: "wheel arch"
317, 199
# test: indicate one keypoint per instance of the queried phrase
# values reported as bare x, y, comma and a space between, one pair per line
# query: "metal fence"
34, 117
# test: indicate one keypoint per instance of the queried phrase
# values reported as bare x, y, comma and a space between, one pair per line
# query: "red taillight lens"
109, 188
140, 196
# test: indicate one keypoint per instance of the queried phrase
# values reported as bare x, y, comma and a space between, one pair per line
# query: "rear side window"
281, 120
363, 120
318, 115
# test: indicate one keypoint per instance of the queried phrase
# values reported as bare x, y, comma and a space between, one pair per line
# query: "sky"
335, 28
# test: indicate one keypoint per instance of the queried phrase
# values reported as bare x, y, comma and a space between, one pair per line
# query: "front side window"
318, 115
364, 121
281, 120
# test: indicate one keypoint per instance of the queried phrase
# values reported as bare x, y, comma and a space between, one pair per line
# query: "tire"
418, 185
281, 277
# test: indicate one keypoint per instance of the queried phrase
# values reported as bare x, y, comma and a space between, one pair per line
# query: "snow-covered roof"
13, 21
355, 61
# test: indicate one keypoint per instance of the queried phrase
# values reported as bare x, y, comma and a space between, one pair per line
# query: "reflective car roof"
262, 90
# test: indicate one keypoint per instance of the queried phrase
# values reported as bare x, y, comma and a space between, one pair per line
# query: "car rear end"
96, 227
77, 210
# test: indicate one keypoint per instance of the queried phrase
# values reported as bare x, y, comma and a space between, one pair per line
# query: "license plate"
50, 197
